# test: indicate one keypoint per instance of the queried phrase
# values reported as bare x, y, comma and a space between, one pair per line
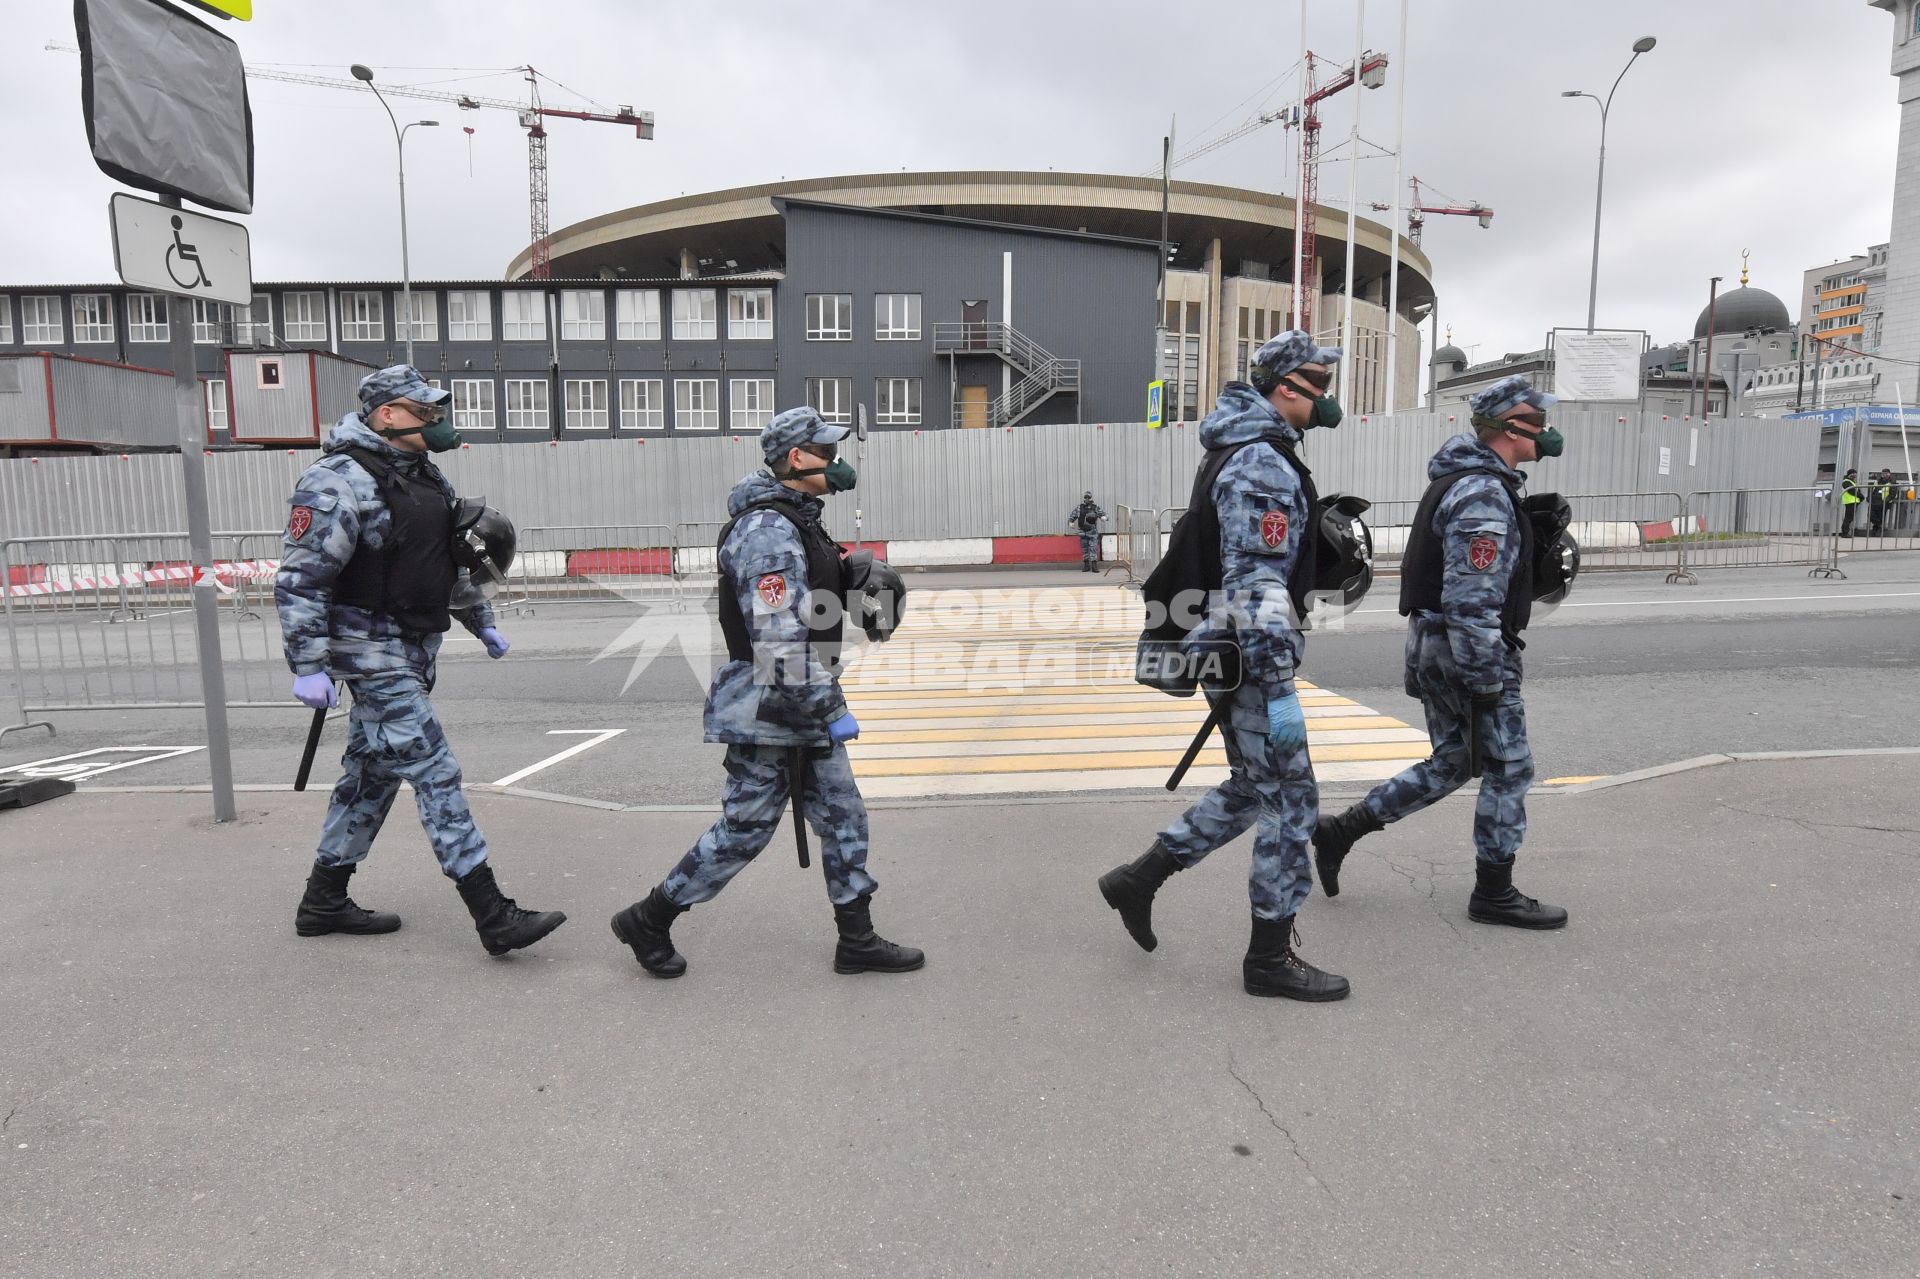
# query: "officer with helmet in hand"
785, 588
378, 559
1477, 559
1260, 511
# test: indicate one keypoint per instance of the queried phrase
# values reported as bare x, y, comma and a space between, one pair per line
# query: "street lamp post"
1640, 46
364, 74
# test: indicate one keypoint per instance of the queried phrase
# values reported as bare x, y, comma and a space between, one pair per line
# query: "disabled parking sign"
171, 250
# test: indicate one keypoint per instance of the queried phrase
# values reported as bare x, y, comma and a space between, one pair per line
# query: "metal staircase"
1043, 375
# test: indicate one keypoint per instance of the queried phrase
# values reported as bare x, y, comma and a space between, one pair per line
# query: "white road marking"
63, 766
596, 737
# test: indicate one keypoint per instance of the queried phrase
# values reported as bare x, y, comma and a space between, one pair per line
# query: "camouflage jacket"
785, 695
336, 508
1263, 516
1480, 539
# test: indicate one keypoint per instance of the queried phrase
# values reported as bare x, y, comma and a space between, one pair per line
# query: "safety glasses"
1318, 379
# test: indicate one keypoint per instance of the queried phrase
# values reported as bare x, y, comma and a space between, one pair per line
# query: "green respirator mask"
1547, 443
840, 474
439, 435
1327, 412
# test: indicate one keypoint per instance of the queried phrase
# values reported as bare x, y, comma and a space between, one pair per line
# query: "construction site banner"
1597, 365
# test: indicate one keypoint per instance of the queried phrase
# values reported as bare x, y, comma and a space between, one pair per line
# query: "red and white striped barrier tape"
60, 581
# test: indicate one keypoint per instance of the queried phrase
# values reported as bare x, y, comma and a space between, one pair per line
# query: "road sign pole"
190, 414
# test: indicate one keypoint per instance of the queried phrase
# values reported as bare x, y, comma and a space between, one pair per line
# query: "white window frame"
426, 318
696, 316
637, 315
896, 317
585, 399
535, 412
147, 319
6, 320
523, 315
278, 382
818, 327
255, 321
211, 321
643, 404
749, 403
750, 315
50, 328
363, 316
583, 315
475, 319
92, 318
312, 324
218, 417
688, 417
469, 415
840, 412
888, 392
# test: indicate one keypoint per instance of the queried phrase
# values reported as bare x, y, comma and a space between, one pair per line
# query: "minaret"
1900, 334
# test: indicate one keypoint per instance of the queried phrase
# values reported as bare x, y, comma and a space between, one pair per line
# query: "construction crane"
532, 115
1417, 211
1369, 71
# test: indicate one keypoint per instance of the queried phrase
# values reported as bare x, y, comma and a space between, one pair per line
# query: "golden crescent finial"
1744, 255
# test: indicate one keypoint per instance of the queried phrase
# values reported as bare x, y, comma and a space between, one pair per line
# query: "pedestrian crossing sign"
1156, 404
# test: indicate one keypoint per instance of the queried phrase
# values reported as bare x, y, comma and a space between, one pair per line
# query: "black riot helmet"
1556, 554
876, 597
1343, 553
483, 543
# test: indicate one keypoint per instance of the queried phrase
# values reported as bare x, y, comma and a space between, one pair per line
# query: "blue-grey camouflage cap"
397, 382
1282, 355
1508, 392
794, 429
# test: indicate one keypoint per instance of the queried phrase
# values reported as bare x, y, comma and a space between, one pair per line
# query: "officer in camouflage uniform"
777, 704
1085, 519
1466, 588
1263, 513
367, 585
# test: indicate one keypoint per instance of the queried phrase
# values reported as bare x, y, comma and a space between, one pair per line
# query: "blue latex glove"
496, 643
316, 690
844, 729
1286, 723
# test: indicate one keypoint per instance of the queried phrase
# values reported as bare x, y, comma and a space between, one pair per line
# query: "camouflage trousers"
394, 736
1277, 792
1090, 546
752, 808
1500, 816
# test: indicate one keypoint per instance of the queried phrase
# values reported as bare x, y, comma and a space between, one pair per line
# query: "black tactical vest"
1423, 570
411, 578
825, 577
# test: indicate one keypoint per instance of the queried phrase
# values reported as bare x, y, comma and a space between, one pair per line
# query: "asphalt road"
1708, 1073
1631, 673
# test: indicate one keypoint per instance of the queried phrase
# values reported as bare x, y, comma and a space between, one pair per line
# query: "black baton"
797, 783
313, 744
1214, 716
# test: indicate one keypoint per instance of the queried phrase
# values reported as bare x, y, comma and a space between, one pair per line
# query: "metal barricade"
581, 563
696, 562
106, 621
1140, 538
1755, 528
1615, 530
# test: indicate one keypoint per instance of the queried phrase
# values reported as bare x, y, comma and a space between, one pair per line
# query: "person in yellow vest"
1849, 499
1879, 498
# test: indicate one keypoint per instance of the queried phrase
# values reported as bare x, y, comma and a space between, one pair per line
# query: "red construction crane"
1370, 72
532, 115
1417, 211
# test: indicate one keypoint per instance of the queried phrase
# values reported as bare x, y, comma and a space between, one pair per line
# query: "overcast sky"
1767, 125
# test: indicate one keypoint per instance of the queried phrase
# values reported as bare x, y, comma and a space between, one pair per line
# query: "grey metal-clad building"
965, 312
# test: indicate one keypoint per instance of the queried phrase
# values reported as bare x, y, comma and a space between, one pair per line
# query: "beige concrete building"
1228, 284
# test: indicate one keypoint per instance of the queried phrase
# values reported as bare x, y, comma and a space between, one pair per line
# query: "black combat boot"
644, 926
1129, 889
862, 950
327, 909
1335, 837
1273, 967
1496, 901
502, 925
